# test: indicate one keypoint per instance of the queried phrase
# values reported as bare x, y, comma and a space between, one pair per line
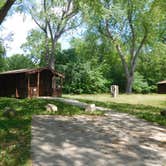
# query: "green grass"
15, 133
156, 100
146, 107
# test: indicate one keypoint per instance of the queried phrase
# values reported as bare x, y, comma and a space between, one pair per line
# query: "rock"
51, 108
9, 112
90, 108
163, 113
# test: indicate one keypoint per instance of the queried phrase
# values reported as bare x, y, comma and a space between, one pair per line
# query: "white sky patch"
19, 26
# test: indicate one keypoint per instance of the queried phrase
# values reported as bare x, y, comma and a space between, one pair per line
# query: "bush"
81, 78
140, 85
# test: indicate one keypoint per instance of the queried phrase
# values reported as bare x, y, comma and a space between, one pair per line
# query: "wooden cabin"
30, 83
161, 87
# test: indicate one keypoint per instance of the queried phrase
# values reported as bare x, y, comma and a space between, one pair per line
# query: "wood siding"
29, 84
162, 88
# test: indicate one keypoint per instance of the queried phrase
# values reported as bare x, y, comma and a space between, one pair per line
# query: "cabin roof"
30, 71
162, 82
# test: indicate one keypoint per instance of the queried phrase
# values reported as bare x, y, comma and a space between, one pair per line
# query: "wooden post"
17, 95
61, 80
16, 90
114, 90
29, 96
38, 83
54, 85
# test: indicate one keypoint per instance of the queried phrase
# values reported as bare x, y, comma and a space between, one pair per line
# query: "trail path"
117, 139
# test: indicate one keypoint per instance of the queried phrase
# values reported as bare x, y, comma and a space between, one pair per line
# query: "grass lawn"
156, 100
147, 107
15, 133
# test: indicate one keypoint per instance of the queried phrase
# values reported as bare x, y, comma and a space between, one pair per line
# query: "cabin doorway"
33, 85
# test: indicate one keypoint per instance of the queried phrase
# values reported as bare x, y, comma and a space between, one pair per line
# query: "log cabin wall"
13, 85
162, 88
45, 87
7, 85
30, 83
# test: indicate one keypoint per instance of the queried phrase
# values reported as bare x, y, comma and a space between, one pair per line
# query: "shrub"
140, 85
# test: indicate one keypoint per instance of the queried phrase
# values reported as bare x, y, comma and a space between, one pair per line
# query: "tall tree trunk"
52, 62
129, 83
5, 8
52, 56
129, 72
47, 50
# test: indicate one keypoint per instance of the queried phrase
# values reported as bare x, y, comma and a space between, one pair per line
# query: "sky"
15, 30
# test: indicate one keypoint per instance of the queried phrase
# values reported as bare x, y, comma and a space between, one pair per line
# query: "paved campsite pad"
116, 139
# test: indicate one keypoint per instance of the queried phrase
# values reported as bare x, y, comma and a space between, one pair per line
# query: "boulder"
51, 108
90, 108
163, 113
9, 112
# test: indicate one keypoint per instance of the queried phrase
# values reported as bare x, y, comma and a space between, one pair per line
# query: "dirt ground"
116, 139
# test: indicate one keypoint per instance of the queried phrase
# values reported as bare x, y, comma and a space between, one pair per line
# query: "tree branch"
129, 17
66, 15
5, 8
123, 60
50, 30
35, 20
108, 30
118, 49
139, 48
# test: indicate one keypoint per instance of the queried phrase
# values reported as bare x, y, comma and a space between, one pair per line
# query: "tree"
34, 47
80, 75
5, 6
152, 66
2, 58
129, 25
54, 18
19, 62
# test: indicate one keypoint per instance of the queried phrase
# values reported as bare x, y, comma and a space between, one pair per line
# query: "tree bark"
5, 8
52, 55
52, 62
129, 83
47, 51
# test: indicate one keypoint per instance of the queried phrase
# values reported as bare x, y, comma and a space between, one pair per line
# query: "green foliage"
2, 2
98, 50
93, 63
34, 47
85, 80
152, 64
140, 85
19, 62
53, 18
129, 25
81, 75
